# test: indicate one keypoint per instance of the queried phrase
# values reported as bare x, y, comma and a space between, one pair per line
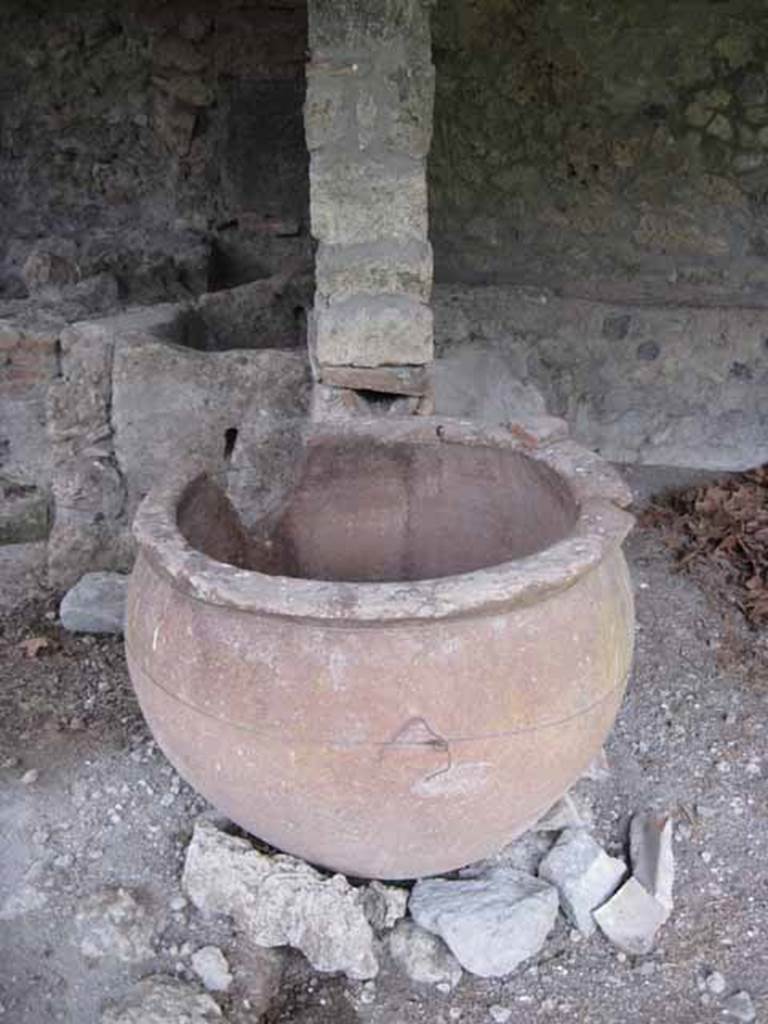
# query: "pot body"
382, 749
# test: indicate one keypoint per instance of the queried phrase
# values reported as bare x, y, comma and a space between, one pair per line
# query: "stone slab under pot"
416, 655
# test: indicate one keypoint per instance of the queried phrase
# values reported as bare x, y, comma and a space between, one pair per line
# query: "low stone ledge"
651, 384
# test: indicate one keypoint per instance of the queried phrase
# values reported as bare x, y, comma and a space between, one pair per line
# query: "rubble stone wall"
161, 143
614, 158
616, 150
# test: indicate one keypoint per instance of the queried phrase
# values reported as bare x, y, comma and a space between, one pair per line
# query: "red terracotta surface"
426, 650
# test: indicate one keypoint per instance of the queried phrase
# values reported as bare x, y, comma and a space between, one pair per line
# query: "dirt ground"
87, 802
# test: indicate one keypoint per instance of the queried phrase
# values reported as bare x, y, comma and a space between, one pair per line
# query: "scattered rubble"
113, 923
164, 1000
634, 915
279, 901
631, 918
423, 956
384, 905
584, 875
740, 1007
650, 851
211, 967
490, 923
490, 919
96, 604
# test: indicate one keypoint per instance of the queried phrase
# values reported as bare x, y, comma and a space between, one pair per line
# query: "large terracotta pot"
427, 649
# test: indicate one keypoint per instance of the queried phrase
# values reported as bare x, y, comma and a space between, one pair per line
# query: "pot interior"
365, 513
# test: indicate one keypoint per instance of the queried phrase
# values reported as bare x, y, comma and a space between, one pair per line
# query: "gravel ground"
87, 803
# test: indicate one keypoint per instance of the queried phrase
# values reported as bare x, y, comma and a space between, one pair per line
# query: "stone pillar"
368, 122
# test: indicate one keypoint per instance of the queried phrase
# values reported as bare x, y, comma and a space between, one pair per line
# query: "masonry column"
368, 121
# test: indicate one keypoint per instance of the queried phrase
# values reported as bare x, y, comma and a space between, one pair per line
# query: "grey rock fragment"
423, 956
499, 1014
490, 923
650, 848
113, 923
259, 972
211, 967
584, 875
715, 983
524, 853
631, 918
280, 901
164, 1000
384, 905
570, 811
740, 1007
96, 604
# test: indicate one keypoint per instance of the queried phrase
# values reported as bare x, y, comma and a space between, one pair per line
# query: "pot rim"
601, 525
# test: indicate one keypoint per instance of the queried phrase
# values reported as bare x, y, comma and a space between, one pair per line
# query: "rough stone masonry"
368, 123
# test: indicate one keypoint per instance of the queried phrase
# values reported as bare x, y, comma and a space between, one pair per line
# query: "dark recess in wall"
160, 143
